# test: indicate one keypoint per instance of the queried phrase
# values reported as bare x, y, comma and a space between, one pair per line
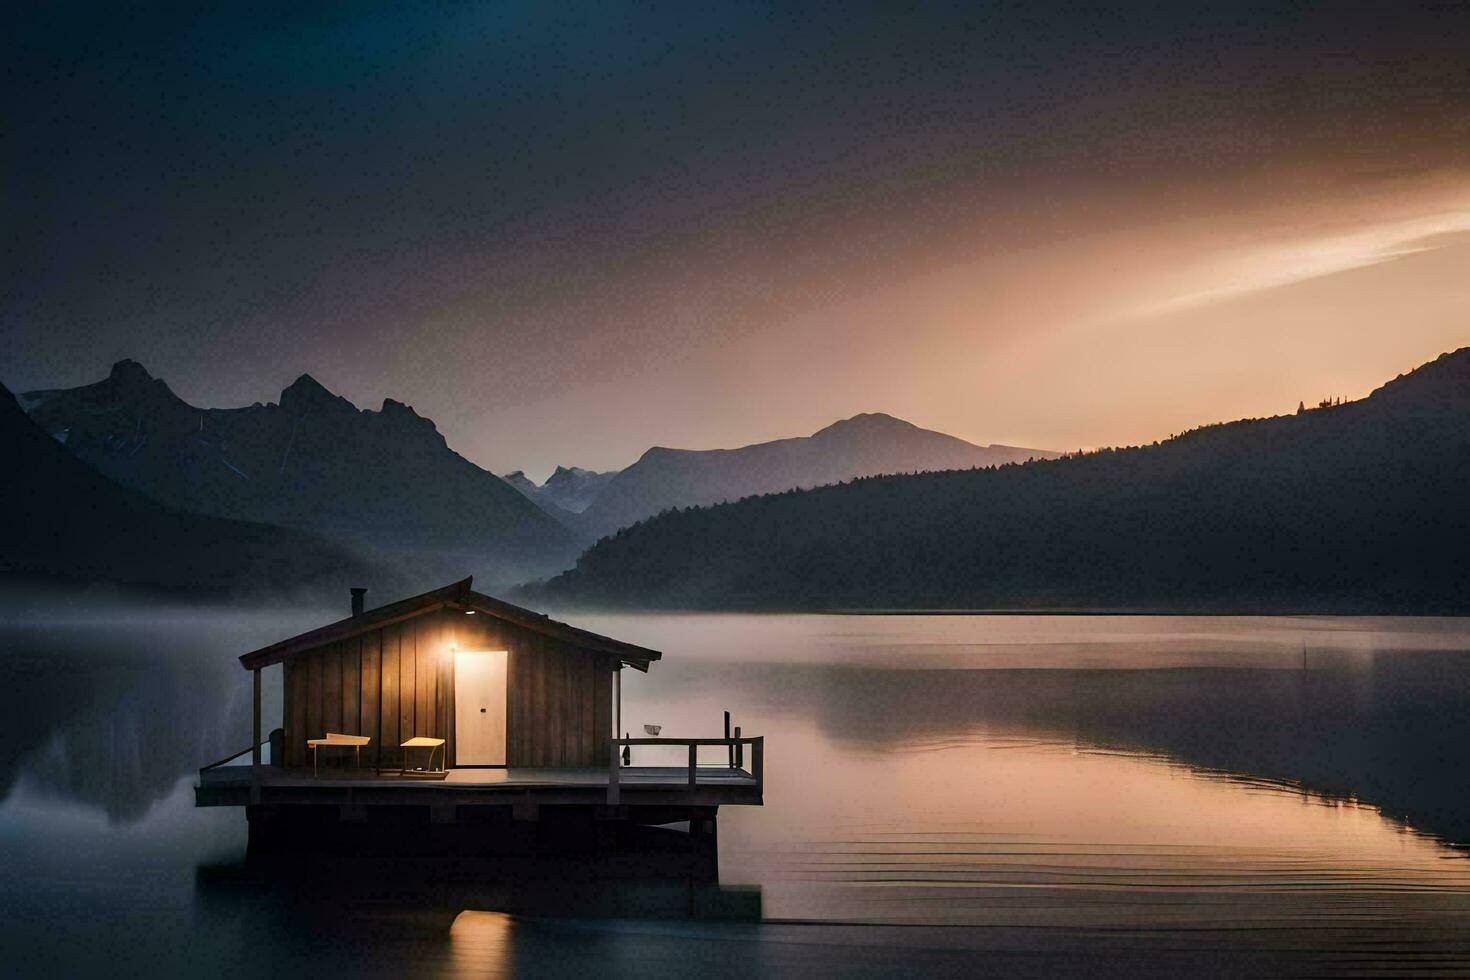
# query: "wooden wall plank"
288, 698
314, 727
303, 730
352, 686
573, 721
556, 704
573, 663
406, 652
420, 651
294, 713
550, 720
584, 709
436, 666
513, 713
427, 637
564, 707
601, 712
436, 672
443, 685
332, 699
332, 687
555, 701
556, 712
585, 715
537, 728
523, 692
369, 688
388, 720
525, 698
532, 701
551, 717
518, 700
446, 699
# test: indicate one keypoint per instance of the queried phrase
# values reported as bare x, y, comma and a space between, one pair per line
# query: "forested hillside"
1355, 507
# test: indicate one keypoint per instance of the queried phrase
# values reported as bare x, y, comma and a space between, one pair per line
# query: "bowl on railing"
653, 729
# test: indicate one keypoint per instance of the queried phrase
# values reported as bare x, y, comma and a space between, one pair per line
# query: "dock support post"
714, 845
255, 740
729, 749
693, 764
704, 847
614, 791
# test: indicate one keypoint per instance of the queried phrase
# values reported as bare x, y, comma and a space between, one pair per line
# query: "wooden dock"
639, 793
514, 811
636, 786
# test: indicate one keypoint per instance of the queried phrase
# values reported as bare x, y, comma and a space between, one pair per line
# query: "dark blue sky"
524, 218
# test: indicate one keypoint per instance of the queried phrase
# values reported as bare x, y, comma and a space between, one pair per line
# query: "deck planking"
639, 785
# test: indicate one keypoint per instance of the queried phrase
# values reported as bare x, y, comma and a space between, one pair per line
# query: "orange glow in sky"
1182, 306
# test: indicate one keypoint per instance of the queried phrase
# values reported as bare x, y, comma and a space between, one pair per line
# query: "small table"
420, 742
337, 738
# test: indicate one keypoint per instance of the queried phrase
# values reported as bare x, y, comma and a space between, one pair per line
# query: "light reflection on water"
480, 943
1138, 788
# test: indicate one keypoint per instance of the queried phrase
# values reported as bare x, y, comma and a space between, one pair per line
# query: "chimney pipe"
357, 595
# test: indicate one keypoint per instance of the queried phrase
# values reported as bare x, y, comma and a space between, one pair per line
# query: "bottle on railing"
627, 752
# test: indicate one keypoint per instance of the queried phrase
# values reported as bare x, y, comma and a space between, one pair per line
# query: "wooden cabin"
511, 713
503, 686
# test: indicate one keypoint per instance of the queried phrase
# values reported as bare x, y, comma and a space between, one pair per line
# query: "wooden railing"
254, 752
231, 758
735, 749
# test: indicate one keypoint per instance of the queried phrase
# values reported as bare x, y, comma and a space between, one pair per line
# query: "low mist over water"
1130, 790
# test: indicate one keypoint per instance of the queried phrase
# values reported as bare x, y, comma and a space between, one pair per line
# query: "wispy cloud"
1276, 264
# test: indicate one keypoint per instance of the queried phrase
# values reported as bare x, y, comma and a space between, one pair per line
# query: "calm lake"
946, 795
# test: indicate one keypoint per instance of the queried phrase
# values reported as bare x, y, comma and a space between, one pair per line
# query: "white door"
479, 707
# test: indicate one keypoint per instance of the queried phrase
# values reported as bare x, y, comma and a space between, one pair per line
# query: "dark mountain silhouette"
569, 490
383, 482
67, 523
1355, 507
864, 445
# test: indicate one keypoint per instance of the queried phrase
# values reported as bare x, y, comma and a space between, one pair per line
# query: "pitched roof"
458, 595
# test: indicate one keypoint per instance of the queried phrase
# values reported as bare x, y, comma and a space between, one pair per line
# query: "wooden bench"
337, 738
420, 742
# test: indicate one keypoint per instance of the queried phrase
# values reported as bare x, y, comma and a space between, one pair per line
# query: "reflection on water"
110, 712
1108, 794
481, 943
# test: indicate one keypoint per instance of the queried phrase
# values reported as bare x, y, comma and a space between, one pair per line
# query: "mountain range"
567, 491
64, 522
1358, 507
383, 483
864, 445
387, 484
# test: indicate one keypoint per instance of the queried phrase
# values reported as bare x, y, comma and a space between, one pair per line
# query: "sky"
569, 232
